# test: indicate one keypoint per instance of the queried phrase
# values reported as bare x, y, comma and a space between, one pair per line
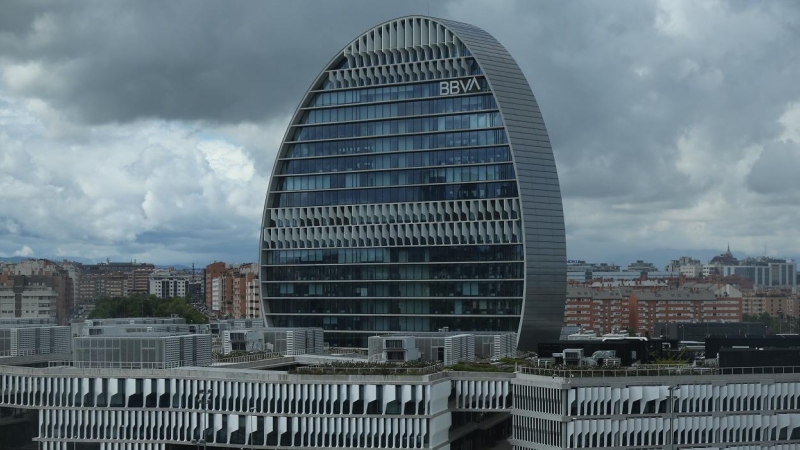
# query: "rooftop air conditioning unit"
573, 356
544, 362
612, 362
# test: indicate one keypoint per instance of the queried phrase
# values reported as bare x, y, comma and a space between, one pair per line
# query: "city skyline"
689, 147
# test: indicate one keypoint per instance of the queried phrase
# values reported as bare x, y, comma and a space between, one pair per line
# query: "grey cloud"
650, 127
186, 60
655, 111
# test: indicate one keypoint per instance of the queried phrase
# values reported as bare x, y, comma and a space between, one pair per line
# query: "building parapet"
655, 371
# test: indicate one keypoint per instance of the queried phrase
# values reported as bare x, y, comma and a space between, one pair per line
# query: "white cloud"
137, 189
25, 251
24, 76
227, 161
790, 120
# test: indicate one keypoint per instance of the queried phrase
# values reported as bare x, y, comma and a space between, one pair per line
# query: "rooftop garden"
504, 365
370, 368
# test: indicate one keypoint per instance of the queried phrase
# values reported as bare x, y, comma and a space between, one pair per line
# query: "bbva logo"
464, 86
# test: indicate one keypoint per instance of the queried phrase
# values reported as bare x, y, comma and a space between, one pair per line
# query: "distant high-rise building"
676, 264
583, 266
641, 266
766, 273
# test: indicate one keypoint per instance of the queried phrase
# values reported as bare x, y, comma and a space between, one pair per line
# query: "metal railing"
377, 369
29, 352
219, 360
654, 371
115, 365
345, 351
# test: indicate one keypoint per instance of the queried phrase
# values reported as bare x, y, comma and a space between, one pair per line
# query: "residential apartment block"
605, 309
36, 288
681, 305
775, 304
113, 279
233, 291
175, 283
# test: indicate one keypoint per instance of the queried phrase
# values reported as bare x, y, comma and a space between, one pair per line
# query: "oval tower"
415, 190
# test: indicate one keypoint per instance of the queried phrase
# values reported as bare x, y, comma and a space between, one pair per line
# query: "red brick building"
213, 271
612, 309
600, 310
233, 291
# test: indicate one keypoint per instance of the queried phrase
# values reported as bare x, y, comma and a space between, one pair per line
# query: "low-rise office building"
26, 321
139, 342
288, 341
134, 320
133, 325
33, 339
137, 350
445, 347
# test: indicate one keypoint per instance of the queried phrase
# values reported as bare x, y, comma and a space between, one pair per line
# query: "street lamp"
671, 434
205, 395
253, 424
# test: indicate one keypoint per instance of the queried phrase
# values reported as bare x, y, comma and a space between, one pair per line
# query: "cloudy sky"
147, 130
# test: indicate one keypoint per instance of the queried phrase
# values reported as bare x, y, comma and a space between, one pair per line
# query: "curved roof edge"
540, 192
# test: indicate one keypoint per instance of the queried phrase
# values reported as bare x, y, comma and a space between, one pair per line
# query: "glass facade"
395, 201
768, 275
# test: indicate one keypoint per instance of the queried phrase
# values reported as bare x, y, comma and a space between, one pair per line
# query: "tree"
773, 323
142, 305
